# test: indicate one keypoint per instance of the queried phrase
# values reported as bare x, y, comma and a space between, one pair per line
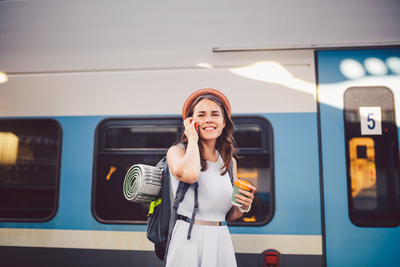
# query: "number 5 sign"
371, 120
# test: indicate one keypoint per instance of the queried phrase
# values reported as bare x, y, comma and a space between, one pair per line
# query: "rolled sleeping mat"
142, 183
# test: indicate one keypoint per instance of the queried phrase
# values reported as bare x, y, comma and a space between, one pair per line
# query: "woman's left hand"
247, 199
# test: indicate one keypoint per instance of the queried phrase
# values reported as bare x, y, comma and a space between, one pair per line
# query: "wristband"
244, 211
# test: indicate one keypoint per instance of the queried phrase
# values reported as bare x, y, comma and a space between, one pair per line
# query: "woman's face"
210, 118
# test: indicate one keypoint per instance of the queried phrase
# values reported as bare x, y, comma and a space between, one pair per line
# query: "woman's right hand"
190, 129
185, 164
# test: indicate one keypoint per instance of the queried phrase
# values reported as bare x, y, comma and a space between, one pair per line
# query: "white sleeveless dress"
209, 246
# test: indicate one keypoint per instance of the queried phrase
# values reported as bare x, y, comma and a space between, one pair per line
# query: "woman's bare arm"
185, 165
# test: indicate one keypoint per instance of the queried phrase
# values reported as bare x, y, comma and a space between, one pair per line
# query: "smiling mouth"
209, 128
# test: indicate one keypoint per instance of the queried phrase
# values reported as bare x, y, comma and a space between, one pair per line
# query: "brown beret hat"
205, 91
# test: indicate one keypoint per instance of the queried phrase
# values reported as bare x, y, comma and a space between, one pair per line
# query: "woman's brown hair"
225, 142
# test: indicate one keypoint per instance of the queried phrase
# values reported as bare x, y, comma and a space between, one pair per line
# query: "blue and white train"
90, 88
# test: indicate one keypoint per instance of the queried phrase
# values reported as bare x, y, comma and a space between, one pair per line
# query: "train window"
253, 136
121, 143
30, 152
372, 157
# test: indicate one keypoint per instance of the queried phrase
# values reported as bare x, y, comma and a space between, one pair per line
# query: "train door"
358, 93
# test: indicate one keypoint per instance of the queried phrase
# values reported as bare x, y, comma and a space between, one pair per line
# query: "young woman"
204, 156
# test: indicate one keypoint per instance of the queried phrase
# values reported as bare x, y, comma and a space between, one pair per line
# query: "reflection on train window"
248, 136
30, 152
122, 143
372, 157
363, 173
144, 137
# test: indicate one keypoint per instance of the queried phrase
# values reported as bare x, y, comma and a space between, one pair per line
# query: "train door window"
372, 157
30, 152
121, 143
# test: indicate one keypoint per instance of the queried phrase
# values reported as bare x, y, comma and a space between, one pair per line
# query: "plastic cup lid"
242, 184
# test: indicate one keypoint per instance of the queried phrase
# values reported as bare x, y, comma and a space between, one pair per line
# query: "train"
90, 88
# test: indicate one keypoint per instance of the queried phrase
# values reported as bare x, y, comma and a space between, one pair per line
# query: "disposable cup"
236, 186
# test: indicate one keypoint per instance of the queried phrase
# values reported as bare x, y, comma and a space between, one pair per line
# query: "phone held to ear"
196, 125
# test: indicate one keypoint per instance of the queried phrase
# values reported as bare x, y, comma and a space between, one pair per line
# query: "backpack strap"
230, 171
195, 209
180, 194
